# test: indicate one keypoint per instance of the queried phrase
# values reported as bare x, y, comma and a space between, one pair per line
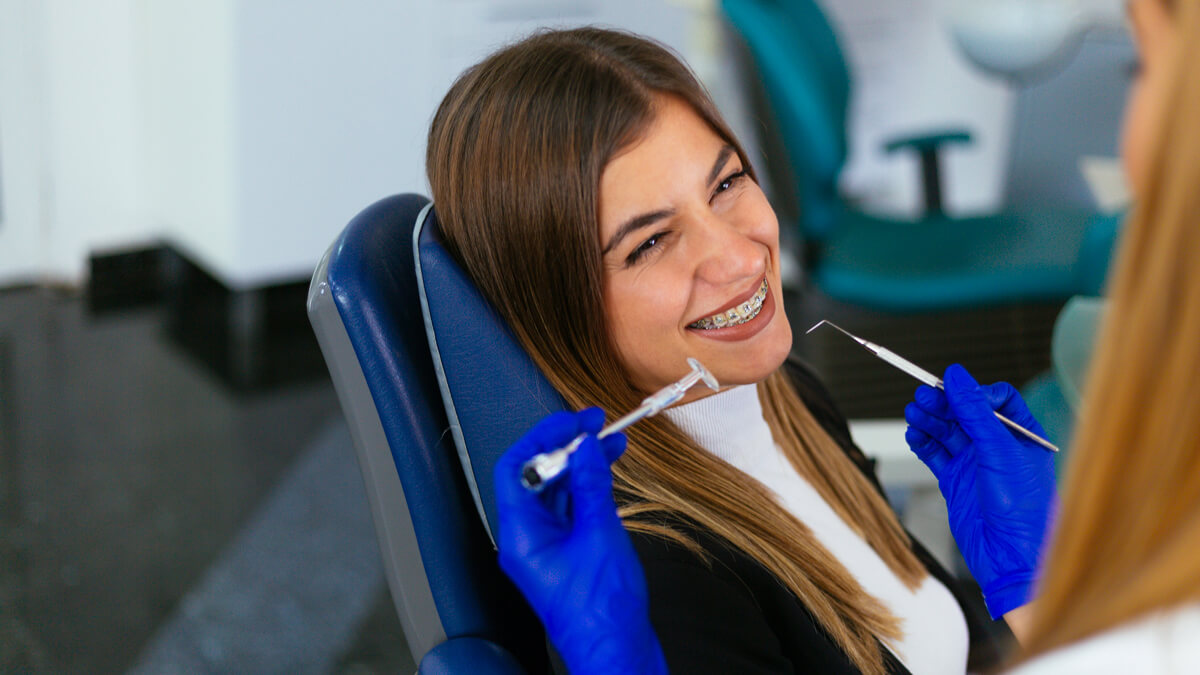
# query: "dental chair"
424, 369
937, 262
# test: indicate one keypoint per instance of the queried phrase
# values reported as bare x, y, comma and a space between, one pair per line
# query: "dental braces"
737, 315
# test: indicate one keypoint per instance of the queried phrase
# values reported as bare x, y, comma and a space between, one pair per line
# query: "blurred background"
178, 488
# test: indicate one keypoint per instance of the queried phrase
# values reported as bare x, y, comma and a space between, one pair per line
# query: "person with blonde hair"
589, 187
1120, 588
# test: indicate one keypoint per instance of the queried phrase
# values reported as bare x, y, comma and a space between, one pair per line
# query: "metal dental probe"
927, 377
544, 467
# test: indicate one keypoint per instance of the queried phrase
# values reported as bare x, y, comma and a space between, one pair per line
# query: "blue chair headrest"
492, 390
373, 283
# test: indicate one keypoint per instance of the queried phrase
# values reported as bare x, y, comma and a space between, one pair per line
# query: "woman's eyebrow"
634, 224
722, 158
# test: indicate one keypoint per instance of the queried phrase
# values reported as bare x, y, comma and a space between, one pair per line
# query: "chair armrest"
929, 141
926, 146
473, 655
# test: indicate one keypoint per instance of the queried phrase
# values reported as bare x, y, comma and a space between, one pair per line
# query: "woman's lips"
745, 330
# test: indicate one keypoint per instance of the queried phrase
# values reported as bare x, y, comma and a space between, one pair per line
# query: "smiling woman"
690, 256
594, 194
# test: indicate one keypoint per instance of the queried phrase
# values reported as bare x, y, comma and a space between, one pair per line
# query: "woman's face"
689, 243
1153, 33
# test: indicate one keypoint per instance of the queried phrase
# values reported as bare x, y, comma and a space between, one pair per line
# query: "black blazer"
733, 616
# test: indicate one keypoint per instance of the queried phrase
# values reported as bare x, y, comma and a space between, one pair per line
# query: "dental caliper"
544, 467
928, 378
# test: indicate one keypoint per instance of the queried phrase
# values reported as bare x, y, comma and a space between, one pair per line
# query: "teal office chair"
934, 263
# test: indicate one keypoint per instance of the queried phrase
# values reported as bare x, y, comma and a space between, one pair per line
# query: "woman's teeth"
736, 315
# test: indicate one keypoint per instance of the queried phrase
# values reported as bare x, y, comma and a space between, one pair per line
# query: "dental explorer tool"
928, 378
544, 467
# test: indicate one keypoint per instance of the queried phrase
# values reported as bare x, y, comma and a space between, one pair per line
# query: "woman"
591, 190
1121, 588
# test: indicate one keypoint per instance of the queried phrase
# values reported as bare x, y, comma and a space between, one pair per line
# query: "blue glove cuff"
1004, 595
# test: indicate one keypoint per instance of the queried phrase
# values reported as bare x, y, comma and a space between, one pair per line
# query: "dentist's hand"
566, 549
1000, 488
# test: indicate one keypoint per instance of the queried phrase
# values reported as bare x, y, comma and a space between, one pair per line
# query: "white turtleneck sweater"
730, 425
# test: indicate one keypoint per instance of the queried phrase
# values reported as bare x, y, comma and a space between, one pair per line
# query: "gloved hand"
567, 551
1000, 488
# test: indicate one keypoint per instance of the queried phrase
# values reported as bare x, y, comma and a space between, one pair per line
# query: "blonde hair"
515, 155
1128, 539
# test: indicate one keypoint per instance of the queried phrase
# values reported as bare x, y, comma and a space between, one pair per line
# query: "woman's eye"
645, 247
730, 181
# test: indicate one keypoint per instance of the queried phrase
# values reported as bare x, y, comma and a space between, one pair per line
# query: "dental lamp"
1021, 41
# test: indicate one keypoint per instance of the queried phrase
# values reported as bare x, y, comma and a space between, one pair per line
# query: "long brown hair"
1128, 538
515, 155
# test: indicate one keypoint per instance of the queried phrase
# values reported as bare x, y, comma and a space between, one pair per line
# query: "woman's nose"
726, 254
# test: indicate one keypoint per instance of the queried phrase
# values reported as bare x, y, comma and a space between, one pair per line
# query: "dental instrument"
544, 467
927, 377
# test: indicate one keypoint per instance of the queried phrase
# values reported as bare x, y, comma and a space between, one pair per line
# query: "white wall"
184, 68
69, 136
330, 104
333, 102
93, 132
22, 156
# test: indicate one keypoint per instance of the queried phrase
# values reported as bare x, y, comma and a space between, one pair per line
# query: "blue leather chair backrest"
369, 273
807, 81
492, 390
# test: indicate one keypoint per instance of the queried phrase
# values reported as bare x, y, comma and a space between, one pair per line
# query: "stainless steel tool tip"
827, 322
815, 326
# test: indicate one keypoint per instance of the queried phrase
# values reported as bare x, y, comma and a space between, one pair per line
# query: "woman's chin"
749, 371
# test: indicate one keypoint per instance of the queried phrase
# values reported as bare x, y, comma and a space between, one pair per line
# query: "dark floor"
129, 472
126, 468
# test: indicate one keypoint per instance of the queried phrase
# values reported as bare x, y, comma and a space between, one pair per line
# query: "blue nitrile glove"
567, 551
999, 486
